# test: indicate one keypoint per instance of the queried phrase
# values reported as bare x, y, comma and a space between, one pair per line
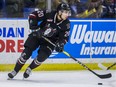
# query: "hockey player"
55, 26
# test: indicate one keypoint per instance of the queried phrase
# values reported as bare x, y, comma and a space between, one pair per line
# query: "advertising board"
89, 39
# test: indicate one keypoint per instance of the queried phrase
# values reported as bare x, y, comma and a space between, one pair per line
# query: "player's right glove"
59, 46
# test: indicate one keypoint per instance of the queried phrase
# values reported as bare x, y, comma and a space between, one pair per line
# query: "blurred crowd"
91, 8
79, 8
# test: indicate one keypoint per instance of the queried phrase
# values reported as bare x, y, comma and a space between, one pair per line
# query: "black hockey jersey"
50, 26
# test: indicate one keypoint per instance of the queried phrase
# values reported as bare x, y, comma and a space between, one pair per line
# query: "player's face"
65, 14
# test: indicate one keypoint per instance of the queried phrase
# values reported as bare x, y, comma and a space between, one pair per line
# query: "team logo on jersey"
49, 32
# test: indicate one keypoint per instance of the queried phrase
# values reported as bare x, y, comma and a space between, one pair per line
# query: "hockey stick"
106, 68
67, 54
86, 13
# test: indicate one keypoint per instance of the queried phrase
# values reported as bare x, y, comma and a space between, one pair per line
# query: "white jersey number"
40, 13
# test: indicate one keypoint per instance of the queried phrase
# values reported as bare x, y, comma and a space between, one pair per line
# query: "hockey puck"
100, 84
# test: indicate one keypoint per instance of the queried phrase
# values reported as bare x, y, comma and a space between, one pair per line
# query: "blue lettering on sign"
12, 32
96, 39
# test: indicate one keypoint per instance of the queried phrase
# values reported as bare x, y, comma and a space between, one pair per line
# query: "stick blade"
109, 75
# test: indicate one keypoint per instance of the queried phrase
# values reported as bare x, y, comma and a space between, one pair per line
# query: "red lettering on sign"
20, 46
2, 45
10, 46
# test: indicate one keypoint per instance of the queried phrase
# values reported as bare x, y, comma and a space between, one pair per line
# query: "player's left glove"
59, 46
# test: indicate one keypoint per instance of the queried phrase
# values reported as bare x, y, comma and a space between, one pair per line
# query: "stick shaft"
111, 66
67, 54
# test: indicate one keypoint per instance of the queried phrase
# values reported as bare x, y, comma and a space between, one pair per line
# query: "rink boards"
90, 41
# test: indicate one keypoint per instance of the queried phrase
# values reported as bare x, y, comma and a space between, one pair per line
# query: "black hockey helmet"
63, 6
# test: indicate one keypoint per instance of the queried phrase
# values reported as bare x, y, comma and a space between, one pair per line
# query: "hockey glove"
59, 47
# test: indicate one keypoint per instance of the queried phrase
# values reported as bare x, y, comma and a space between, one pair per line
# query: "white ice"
59, 79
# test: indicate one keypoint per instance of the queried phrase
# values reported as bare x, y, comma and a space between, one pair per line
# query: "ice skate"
12, 74
27, 73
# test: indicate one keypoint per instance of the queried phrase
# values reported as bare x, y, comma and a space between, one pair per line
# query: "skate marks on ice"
57, 79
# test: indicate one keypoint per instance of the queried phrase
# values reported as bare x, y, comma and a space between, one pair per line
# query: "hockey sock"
35, 64
19, 64
18, 67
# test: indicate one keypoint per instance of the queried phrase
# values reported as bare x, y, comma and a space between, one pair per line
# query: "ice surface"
59, 79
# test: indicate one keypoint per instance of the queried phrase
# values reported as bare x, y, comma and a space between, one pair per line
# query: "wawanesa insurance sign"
95, 38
